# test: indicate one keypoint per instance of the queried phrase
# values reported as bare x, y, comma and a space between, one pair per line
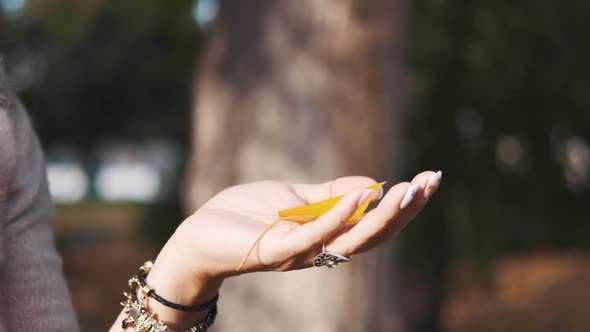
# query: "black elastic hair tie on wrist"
141, 275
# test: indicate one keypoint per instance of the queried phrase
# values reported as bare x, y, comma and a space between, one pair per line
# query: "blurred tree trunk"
303, 91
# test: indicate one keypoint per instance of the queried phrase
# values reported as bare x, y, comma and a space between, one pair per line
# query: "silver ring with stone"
329, 259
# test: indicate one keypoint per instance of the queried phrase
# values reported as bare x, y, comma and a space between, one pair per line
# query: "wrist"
174, 279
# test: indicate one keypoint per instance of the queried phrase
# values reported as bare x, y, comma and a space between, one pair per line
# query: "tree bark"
302, 91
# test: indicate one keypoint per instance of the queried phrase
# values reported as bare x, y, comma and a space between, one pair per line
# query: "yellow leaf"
310, 212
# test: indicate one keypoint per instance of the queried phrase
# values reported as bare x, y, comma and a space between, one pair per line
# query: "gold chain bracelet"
141, 320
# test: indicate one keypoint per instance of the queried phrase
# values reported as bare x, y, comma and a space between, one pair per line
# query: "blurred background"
146, 108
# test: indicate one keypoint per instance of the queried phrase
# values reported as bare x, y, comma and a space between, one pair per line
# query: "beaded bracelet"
145, 269
138, 317
141, 320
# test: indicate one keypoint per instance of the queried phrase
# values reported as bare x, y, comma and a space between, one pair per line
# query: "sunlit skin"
208, 245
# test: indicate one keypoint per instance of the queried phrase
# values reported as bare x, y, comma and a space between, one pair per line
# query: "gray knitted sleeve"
33, 291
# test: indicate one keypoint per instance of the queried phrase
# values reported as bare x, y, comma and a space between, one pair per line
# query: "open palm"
225, 227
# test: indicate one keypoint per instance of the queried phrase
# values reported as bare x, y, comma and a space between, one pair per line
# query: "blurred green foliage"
103, 69
94, 71
496, 80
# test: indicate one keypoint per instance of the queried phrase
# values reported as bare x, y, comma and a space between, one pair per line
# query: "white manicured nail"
409, 197
380, 193
432, 184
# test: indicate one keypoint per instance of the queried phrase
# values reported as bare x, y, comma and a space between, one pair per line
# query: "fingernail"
432, 184
380, 193
364, 197
409, 197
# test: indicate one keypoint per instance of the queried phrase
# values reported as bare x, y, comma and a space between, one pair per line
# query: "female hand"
207, 246
218, 235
